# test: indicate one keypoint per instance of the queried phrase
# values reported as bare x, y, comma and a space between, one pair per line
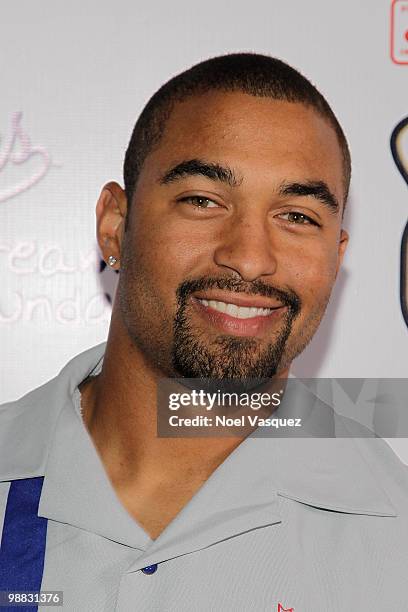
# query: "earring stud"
112, 260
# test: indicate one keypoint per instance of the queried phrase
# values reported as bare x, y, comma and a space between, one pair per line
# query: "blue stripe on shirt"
23, 541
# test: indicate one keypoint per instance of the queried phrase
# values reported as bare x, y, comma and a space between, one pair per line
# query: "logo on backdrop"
17, 151
399, 149
399, 32
45, 282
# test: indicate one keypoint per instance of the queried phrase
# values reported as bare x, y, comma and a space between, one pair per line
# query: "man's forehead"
253, 135
222, 121
216, 107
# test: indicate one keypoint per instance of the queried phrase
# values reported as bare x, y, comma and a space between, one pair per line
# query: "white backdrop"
74, 77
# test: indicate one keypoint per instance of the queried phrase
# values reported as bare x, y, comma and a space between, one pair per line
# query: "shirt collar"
77, 490
243, 493
54, 443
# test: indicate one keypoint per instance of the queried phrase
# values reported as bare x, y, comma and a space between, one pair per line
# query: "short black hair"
251, 73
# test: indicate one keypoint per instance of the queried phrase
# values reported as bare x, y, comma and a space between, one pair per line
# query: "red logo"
399, 32
282, 609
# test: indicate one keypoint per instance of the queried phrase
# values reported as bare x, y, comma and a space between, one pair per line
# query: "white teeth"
240, 312
234, 311
222, 306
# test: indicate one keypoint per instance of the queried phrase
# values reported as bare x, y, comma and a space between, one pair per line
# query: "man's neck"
119, 408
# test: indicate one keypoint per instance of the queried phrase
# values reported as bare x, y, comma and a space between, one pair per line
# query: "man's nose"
246, 247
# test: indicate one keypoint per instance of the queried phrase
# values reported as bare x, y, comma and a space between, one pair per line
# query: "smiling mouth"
246, 317
239, 312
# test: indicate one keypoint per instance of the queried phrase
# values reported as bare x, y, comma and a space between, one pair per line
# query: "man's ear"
343, 242
110, 221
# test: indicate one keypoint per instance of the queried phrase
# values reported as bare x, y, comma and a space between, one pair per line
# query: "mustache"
287, 297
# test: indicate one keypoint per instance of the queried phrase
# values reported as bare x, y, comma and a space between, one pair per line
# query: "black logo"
401, 161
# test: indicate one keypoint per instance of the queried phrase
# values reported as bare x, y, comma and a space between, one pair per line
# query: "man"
228, 237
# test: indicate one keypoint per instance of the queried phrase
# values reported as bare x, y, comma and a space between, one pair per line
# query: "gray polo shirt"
303, 524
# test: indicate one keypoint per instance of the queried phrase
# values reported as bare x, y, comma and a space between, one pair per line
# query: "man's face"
234, 239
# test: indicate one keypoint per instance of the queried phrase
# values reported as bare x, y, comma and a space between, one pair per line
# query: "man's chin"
245, 365
225, 385
226, 357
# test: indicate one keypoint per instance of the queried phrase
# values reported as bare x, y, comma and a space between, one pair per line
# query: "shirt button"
150, 569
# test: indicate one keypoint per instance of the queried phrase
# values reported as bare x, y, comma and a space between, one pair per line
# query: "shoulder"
388, 469
27, 424
25, 428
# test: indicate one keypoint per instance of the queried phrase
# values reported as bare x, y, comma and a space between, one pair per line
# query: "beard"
227, 357
178, 348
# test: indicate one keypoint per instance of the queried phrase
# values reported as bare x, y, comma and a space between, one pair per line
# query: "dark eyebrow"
225, 174
316, 189
194, 167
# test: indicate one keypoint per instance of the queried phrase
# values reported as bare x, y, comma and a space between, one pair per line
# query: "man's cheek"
163, 268
313, 284
321, 269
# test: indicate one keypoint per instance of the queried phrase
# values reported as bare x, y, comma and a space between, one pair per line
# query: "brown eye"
298, 218
199, 201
